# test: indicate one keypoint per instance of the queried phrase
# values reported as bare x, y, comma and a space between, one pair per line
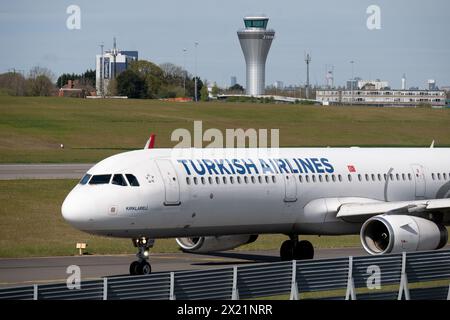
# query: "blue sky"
413, 39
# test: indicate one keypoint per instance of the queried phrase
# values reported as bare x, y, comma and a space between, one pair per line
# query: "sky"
413, 37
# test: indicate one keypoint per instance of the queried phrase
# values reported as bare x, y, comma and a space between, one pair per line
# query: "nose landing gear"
294, 249
142, 267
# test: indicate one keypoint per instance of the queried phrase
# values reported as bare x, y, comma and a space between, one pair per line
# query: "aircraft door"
290, 188
419, 178
170, 180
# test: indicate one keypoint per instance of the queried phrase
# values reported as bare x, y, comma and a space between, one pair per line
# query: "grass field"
31, 225
32, 129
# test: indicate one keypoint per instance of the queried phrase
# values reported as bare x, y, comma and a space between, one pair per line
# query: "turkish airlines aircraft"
397, 199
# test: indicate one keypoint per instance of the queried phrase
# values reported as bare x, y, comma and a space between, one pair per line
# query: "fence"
418, 275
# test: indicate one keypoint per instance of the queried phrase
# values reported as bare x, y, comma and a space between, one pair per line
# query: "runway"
43, 171
28, 271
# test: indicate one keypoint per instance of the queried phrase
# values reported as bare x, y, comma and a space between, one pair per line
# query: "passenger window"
373, 177
439, 176
231, 180
349, 177
210, 180
320, 178
313, 178
267, 179
203, 180
217, 180
444, 175
259, 179
397, 176
367, 177
432, 176
327, 178
307, 178
246, 179
224, 180
188, 180
300, 178
132, 180
339, 178
119, 180
333, 177
195, 180
273, 179
403, 177
85, 179
239, 179
100, 179
359, 177
409, 176
253, 179
379, 177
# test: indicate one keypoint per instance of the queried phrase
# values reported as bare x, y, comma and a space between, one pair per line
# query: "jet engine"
214, 243
401, 233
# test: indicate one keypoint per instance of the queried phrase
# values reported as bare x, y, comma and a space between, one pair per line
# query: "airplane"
396, 199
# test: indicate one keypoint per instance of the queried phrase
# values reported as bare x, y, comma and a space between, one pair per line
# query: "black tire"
304, 250
134, 268
145, 268
287, 250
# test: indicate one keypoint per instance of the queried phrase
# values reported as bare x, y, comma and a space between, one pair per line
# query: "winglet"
150, 142
432, 144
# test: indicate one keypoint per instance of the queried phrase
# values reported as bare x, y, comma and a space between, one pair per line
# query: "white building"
110, 69
382, 97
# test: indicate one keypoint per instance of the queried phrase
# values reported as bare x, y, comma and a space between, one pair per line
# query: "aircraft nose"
72, 210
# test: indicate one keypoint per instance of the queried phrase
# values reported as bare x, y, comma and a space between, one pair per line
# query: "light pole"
101, 71
351, 83
195, 79
184, 71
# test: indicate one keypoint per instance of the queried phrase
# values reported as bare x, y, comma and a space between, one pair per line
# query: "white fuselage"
201, 192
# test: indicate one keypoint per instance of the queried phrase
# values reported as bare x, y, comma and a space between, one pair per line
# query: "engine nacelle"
401, 233
214, 243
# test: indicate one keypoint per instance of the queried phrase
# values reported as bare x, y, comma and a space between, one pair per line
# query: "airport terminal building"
406, 98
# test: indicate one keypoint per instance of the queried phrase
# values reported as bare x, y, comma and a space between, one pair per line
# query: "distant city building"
233, 81
255, 42
279, 85
110, 65
404, 82
432, 84
352, 83
382, 97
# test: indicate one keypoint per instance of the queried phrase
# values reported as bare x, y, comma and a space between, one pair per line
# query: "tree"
111, 90
40, 86
131, 84
13, 83
215, 90
236, 87
204, 95
152, 75
190, 87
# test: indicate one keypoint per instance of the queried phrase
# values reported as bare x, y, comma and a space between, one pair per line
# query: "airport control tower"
255, 42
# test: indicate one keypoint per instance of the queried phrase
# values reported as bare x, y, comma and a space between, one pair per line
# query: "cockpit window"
132, 180
100, 179
85, 179
119, 180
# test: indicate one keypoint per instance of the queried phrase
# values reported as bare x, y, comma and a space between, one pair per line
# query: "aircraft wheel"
145, 268
287, 250
134, 268
304, 250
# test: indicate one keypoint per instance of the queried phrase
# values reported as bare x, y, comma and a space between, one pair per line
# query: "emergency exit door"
290, 188
170, 180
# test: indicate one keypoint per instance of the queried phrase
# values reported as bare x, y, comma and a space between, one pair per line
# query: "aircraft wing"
405, 207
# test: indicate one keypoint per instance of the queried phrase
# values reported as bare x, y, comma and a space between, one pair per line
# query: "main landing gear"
142, 266
294, 249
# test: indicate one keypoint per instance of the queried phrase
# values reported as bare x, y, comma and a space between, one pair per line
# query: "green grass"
31, 225
32, 128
